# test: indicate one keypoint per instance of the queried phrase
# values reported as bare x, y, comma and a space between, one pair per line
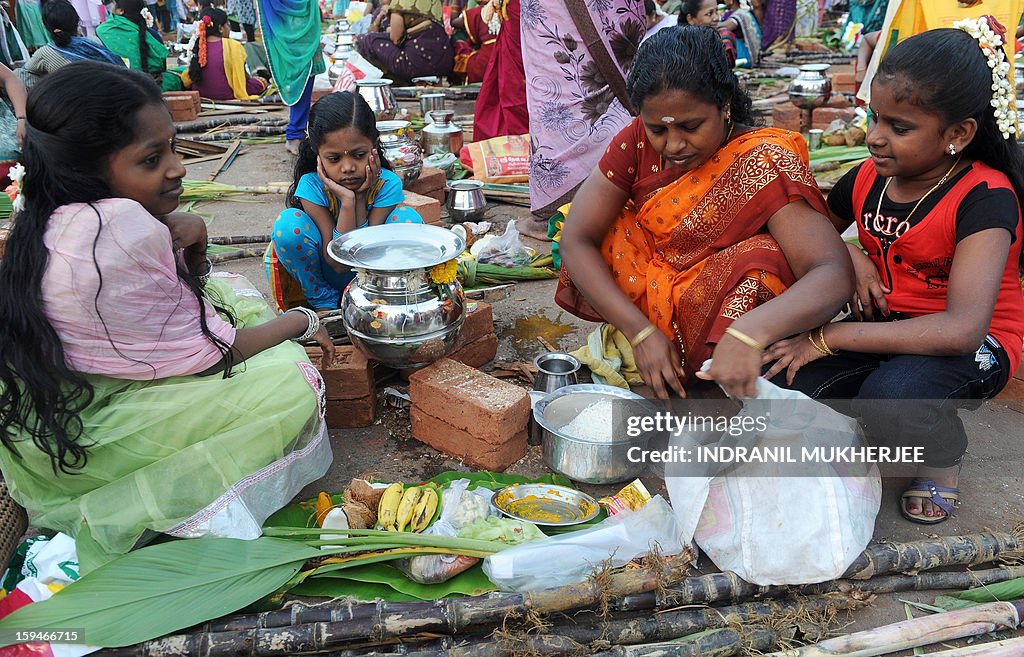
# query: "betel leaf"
165, 588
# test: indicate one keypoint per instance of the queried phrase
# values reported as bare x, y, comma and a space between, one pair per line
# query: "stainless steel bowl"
587, 461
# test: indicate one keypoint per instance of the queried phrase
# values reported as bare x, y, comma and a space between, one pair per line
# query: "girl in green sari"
136, 396
127, 33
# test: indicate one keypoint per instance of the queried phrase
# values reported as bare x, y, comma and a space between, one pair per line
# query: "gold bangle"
824, 345
810, 338
644, 333
745, 339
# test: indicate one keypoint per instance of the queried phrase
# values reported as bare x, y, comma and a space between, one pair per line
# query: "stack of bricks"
787, 115
478, 344
428, 208
350, 387
431, 183
183, 105
469, 415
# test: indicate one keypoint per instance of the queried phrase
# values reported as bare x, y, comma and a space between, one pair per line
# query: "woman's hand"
324, 340
735, 366
870, 292
657, 360
790, 354
20, 132
187, 230
343, 193
372, 175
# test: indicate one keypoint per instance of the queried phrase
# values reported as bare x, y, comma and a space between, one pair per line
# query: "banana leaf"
839, 154
165, 588
1012, 589
388, 583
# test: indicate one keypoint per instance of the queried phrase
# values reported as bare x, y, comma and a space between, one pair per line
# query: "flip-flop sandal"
945, 498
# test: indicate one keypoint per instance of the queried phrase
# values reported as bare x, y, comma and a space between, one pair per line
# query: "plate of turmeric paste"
546, 504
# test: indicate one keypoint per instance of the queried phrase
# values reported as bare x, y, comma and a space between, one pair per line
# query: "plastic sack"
499, 159
455, 514
573, 557
506, 249
769, 526
49, 566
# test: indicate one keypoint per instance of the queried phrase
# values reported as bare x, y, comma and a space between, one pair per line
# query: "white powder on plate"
595, 423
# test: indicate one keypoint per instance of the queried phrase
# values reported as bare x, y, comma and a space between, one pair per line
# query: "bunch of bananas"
407, 509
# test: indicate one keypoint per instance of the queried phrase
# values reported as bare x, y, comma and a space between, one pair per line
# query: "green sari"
188, 455
122, 37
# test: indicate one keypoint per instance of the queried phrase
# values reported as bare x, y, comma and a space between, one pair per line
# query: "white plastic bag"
507, 250
771, 528
574, 556
436, 568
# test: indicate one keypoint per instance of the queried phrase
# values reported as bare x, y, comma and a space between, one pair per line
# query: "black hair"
133, 11
335, 111
78, 117
688, 58
61, 20
218, 19
945, 72
689, 8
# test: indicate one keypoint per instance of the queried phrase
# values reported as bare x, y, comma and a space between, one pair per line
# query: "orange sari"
692, 249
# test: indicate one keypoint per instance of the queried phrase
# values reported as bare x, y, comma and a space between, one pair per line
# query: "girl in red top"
938, 303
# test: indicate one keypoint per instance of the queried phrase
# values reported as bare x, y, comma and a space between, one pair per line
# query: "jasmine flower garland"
1002, 89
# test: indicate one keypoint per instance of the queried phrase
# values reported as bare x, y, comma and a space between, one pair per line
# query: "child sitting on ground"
341, 183
938, 211
137, 395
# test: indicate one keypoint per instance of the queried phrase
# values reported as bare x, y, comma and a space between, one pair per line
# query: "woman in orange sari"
699, 236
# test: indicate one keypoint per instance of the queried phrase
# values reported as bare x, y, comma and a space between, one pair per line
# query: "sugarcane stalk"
1003, 648
256, 131
210, 124
572, 639
728, 587
986, 547
723, 642
239, 239
923, 631
237, 254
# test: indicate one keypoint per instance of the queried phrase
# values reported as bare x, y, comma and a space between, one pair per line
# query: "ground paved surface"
991, 480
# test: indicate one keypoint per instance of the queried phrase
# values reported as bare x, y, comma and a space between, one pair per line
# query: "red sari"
692, 249
501, 105
473, 56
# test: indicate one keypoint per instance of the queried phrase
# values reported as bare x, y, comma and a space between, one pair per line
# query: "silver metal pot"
379, 96
392, 311
812, 87
430, 102
401, 150
554, 371
587, 461
441, 136
466, 201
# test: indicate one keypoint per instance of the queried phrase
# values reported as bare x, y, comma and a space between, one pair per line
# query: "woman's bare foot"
292, 146
945, 477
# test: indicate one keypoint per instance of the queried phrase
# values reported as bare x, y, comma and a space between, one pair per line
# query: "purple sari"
779, 19
576, 54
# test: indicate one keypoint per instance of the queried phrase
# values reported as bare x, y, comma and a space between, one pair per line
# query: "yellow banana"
406, 507
387, 510
425, 509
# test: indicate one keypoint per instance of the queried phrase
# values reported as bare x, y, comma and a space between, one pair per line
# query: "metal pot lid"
379, 82
396, 247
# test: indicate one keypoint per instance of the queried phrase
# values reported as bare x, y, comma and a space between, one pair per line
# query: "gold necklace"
906, 220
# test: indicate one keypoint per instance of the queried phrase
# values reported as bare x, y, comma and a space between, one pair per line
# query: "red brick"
179, 115
431, 183
478, 324
193, 96
839, 101
470, 400
464, 446
350, 413
350, 376
844, 82
823, 116
320, 92
477, 353
786, 116
429, 208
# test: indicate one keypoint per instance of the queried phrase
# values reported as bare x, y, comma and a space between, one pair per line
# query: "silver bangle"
314, 323
204, 277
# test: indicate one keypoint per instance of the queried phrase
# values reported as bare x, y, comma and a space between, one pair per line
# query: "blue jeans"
298, 114
299, 247
907, 400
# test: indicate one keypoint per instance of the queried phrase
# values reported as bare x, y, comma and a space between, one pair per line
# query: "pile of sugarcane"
654, 609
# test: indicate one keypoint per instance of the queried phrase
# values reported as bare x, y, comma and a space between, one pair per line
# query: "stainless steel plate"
545, 504
396, 247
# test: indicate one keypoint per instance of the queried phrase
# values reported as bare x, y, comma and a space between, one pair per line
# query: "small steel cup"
814, 139
555, 370
430, 102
